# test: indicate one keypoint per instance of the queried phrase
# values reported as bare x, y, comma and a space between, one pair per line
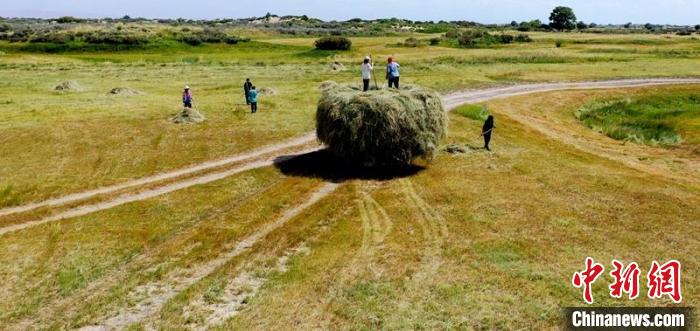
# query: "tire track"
433, 228
307, 138
153, 296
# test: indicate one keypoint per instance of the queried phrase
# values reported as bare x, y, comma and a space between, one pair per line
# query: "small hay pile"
69, 86
380, 128
188, 115
457, 149
267, 91
337, 66
124, 91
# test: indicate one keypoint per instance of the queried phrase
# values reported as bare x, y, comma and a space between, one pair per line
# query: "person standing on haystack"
392, 73
187, 97
487, 130
367, 67
246, 88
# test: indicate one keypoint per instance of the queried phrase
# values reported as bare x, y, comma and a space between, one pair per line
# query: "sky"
685, 12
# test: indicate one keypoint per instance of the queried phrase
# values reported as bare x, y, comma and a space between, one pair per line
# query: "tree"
581, 25
562, 18
513, 23
592, 25
126, 17
697, 27
628, 25
649, 26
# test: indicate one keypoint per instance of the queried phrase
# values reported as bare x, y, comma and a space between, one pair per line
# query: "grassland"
476, 240
656, 120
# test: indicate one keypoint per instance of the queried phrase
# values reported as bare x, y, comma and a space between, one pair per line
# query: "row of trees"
564, 19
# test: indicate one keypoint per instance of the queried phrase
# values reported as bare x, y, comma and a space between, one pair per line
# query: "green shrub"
434, 41
333, 43
506, 38
523, 38
191, 40
411, 42
558, 43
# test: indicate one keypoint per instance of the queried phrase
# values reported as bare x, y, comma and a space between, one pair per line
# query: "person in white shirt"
367, 67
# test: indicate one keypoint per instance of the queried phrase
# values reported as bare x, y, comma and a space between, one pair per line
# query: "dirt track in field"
201, 173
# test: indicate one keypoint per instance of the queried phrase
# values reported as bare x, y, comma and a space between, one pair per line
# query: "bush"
452, 34
191, 40
523, 38
684, 33
333, 43
114, 38
506, 38
380, 128
558, 43
411, 42
434, 41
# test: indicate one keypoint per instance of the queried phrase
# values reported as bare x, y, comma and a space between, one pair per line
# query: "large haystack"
384, 127
188, 115
69, 86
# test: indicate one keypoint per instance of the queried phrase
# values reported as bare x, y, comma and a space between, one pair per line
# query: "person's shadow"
323, 164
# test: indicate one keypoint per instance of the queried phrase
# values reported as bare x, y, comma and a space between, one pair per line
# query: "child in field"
187, 97
486, 131
392, 73
253, 99
367, 67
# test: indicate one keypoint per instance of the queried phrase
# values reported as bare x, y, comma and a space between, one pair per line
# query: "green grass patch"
475, 112
665, 119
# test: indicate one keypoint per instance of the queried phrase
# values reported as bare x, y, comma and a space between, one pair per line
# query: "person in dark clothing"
487, 130
246, 88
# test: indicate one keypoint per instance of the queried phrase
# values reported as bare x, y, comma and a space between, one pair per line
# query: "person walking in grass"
487, 130
253, 99
392, 73
246, 88
367, 67
187, 97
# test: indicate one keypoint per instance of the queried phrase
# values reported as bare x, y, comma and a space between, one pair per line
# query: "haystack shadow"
323, 164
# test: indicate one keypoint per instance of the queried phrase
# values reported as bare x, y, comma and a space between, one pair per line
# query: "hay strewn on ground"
384, 127
188, 115
124, 91
337, 66
267, 91
69, 86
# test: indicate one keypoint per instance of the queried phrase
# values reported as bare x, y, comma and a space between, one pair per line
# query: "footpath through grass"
666, 119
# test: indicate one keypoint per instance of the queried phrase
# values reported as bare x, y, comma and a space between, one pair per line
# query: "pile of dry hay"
267, 91
69, 86
337, 66
380, 128
124, 91
188, 115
